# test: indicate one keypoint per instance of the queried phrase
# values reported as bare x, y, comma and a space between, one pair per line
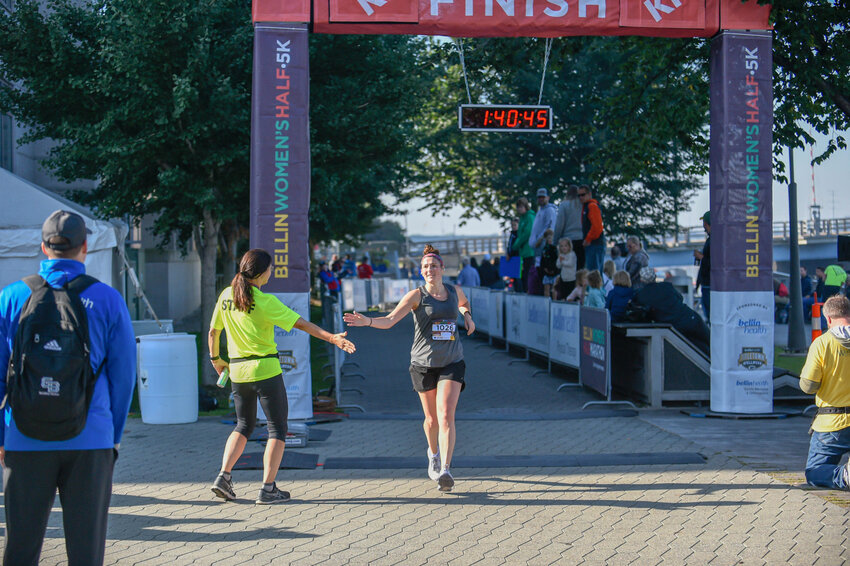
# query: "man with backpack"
69, 348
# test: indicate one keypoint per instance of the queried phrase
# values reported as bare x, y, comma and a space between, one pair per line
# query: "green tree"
811, 73
365, 94
149, 97
630, 119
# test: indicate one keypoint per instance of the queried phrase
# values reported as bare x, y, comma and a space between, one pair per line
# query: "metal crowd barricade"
339, 360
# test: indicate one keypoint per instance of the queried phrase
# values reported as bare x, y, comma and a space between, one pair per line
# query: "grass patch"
791, 362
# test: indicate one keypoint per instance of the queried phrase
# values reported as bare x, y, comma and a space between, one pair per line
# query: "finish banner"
740, 181
280, 153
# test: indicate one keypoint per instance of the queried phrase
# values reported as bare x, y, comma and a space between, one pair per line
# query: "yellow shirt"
252, 333
828, 363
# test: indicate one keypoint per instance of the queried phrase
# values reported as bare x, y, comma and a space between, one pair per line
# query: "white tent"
22, 212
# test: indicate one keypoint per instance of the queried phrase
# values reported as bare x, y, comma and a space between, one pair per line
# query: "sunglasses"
582, 194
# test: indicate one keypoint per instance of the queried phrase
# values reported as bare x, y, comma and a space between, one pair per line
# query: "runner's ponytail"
254, 263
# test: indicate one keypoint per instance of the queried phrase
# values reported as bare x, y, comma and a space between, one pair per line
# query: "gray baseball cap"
64, 230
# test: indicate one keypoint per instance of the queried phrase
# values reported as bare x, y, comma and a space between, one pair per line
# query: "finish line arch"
740, 173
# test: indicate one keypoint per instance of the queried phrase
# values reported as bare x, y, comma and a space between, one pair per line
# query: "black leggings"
272, 395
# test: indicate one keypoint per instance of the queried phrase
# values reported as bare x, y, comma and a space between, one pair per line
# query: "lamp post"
796, 333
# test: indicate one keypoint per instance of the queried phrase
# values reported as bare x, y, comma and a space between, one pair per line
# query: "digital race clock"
504, 118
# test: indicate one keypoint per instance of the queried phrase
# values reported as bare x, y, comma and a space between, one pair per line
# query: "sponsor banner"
294, 353
479, 304
595, 349
536, 322
395, 290
742, 352
354, 295
741, 175
280, 153
497, 314
740, 181
514, 309
564, 333
533, 18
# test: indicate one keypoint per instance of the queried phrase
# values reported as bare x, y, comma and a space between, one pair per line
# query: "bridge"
817, 238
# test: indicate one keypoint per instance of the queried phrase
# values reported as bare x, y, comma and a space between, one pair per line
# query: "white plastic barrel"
168, 378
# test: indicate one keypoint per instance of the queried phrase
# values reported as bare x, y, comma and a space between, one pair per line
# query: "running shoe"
433, 465
272, 497
446, 480
223, 488
846, 473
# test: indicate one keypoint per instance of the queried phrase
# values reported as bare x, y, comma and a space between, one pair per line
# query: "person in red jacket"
364, 270
592, 227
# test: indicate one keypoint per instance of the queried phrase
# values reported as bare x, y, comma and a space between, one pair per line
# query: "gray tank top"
435, 338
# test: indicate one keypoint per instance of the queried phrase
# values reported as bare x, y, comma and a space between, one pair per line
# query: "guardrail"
781, 231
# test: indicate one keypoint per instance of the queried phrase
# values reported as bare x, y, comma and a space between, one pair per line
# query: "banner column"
280, 188
740, 181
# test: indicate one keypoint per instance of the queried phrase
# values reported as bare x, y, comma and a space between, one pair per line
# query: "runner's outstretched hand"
356, 319
340, 342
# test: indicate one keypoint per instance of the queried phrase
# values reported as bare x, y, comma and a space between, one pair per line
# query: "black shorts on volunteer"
426, 379
271, 393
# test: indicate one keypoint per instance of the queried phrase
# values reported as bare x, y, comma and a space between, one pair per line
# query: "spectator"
568, 223
474, 263
834, 278
619, 297
468, 275
608, 271
665, 304
80, 466
329, 279
348, 267
512, 236
806, 291
820, 276
364, 270
578, 292
488, 273
617, 257
704, 274
592, 230
567, 264
547, 213
549, 264
594, 294
781, 301
826, 375
521, 246
637, 260
336, 265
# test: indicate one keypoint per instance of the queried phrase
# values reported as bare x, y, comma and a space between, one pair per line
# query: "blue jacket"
617, 300
111, 336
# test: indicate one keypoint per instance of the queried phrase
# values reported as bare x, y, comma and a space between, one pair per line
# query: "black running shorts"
426, 379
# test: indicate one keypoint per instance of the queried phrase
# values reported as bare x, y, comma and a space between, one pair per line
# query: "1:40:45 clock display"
504, 118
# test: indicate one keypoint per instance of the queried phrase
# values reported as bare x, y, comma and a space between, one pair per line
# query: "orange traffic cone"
816, 329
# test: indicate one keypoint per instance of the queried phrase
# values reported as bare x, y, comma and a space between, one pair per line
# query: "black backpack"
549, 260
50, 381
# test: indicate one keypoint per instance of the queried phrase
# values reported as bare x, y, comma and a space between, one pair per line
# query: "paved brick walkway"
740, 507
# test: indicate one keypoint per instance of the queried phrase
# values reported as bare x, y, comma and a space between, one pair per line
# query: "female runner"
249, 316
436, 357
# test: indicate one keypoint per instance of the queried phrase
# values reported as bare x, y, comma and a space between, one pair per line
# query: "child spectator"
619, 296
608, 270
567, 262
549, 263
577, 294
594, 295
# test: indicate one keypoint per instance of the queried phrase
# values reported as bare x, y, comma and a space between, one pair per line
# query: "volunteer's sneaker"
223, 488
433, 465
273, 496
446, 480
846, 473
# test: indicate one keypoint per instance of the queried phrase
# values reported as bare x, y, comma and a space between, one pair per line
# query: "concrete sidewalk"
741, 506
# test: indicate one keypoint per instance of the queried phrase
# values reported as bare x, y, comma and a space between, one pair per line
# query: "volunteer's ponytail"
254, 263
